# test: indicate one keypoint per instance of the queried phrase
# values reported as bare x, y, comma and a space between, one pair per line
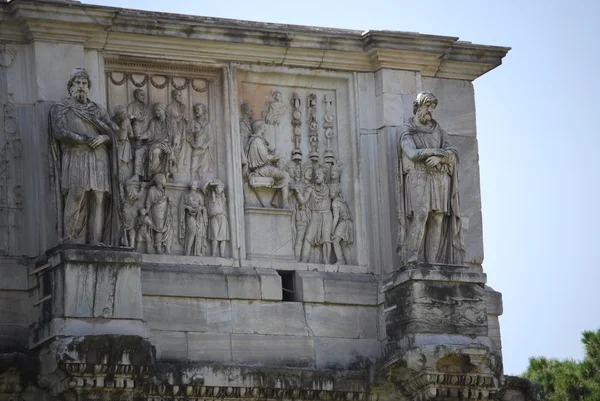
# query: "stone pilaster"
437, 334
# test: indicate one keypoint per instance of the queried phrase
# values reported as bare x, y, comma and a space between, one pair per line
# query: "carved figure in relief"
159, 206
318, 232
428, 198
263, 163
129, 200
193, 221
199, 136
218, 232
245, 128
159, 156
274, 109
343, 227
124, 134
177, 113
139, 113
84, 166
143, 231
301, 215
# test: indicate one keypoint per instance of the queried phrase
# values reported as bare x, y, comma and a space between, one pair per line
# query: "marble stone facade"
253, 184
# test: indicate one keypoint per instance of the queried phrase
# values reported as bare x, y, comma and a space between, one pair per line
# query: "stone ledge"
92, 254
434, 272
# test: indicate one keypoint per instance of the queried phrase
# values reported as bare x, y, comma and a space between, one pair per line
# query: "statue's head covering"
423, 97
79, 71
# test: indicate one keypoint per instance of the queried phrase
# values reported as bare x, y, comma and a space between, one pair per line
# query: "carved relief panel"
172, 145
298, 167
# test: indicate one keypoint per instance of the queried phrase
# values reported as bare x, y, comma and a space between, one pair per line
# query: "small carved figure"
318, 232
84, 166
275, 109
124, 133
193, 221
139, 113
199, 136
129, 200
343, 232
177, 118
159, 155
143, 230
262, 163
159, 206
428, 198
245, 128
301, 215
218, 232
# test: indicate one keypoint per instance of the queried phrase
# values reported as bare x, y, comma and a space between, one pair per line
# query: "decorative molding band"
143, 66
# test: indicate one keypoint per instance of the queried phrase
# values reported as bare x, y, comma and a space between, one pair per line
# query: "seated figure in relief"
263, 163
159, 143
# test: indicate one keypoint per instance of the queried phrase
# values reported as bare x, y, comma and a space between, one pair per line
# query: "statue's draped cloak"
438, 187
78, 164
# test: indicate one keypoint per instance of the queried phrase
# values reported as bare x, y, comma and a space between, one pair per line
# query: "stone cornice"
201, 39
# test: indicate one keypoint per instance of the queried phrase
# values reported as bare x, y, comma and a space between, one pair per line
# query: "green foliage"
570, 380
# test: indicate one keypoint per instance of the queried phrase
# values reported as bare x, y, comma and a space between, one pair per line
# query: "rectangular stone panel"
242, 283
187, 314
14, 274
309, 286
341, 353
184, 280
353, 289
170, 345
256, 317
14, 308
289, 351
332, 320
209, 347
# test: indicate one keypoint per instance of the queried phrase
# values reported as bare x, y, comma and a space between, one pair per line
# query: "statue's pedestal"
437, 334
269, 234
88, 290
90, 335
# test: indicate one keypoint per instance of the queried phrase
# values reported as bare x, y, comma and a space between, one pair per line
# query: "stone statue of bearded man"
429, 228
83, 167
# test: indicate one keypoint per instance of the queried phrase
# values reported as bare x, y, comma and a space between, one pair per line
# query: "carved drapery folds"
429, 225
277, 175
168, 129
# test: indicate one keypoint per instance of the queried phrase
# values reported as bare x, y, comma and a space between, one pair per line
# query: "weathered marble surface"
329, 100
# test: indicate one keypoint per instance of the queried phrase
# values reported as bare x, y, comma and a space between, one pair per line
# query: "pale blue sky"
538, 137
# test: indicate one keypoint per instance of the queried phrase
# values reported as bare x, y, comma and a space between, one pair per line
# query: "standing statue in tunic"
193, 221
318, 232
129, 200
84, 169
343, 232
159, 206
199, 136
143, 231
177, 114
139, 114
301, 215
218, 225
275, 109
124, 134
428, 199
159, 149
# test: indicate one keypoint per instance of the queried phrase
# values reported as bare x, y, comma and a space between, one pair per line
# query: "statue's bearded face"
177, 96
320, 177
198, 111
80, 87
425, 112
